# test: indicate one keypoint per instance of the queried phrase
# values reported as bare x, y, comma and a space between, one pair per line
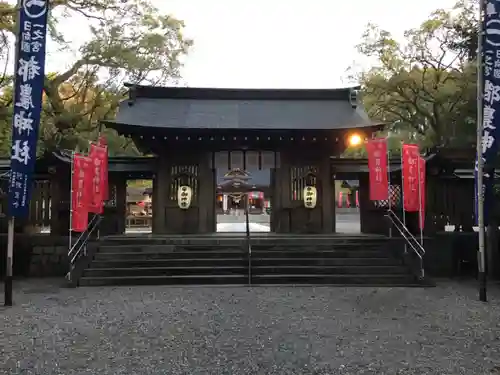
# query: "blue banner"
491, 101
28, 89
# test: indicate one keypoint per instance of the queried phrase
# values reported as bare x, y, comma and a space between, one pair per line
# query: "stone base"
39, 255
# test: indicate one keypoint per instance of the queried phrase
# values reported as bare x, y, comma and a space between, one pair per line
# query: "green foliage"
465, 27
424, 86
395, 138
140, 184
130, 41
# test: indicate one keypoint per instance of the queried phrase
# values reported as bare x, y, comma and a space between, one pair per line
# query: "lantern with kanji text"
184, 196
310, 197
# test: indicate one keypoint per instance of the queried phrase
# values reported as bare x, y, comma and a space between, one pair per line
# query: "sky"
277, 43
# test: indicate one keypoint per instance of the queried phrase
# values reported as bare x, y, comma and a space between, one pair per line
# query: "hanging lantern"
184, 196
310, 197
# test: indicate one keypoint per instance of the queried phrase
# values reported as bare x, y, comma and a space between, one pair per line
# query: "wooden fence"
40, 204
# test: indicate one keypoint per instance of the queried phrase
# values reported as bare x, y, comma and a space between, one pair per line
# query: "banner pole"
480, 164
10, 261
420, 222
389, 201
71, 200
403, 193
388, 155
9, 272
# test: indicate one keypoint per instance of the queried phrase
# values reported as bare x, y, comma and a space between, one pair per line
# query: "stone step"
222, 248
344, 261
354, 245
236, 240
329, 270
301, 260
190, 262
166, 249
173, 240
229, 279
324, 254
312, 247
167, 271
345, 279
235, 279
161, 248
172, 255
240, 254
242, 269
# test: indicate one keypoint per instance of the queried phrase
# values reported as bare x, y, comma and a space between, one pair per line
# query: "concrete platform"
241, 235
242, 227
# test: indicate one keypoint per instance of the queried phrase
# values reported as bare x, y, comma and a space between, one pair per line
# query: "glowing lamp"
354, 140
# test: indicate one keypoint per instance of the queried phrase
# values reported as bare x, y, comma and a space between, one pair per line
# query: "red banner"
409, 163
81, 183
98, 156
105, 190
421, 183
377, 166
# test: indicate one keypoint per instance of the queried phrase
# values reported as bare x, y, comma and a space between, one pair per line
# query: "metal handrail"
392, 215
82, 240
417, 248
407, 238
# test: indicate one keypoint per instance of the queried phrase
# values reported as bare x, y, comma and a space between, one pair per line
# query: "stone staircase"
211, 260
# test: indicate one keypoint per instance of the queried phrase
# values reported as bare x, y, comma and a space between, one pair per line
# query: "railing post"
249, 245
389, 223
422, 272
81, 244
410, 240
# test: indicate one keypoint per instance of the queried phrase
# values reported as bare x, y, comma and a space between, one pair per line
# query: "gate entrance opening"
240, 192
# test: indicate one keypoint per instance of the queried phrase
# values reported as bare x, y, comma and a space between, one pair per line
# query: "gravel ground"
237, 330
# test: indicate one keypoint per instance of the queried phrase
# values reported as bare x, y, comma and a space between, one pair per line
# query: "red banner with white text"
410, 159
81, 184
377, 166
421, 183
105, 187
98, 156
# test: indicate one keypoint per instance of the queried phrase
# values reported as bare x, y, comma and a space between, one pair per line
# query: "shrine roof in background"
240, 109
252, 177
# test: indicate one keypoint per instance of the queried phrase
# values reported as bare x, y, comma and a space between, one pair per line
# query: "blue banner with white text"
491, 101
28, 90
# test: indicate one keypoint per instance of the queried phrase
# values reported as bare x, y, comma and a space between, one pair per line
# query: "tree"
84, 97
465, 27
128, 41
424, 86
91, 102
5, 79
394, 141
6, 98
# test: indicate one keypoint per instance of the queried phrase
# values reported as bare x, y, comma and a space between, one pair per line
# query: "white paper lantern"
310, 196
184, 197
